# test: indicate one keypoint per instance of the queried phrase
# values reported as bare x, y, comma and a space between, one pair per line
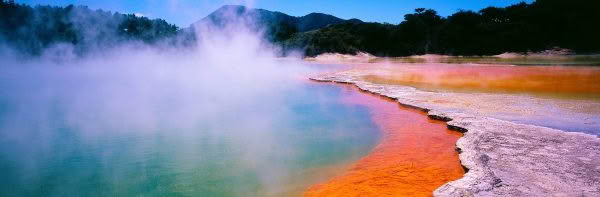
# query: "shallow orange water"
553, 80
416, 155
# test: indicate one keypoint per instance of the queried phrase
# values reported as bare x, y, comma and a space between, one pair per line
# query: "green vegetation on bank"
541, 25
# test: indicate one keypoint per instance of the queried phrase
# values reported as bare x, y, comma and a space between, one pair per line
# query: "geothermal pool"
76, 133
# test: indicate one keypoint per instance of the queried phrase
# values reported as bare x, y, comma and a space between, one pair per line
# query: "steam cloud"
136, 89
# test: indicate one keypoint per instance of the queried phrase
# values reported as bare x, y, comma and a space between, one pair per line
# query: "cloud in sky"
140, 14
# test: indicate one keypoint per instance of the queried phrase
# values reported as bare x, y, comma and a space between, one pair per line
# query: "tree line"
31, 30
523, 27
541, 25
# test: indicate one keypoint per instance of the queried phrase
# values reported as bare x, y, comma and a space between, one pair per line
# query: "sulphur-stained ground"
516, 143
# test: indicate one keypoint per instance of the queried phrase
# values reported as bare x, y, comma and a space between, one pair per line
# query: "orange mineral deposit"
545, 80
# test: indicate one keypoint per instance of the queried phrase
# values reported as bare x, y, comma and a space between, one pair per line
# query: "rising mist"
188, 103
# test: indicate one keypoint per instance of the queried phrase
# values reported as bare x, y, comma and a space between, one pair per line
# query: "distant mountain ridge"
277, 26
312, 21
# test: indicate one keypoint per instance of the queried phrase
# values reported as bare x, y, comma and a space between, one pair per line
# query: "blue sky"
185, 12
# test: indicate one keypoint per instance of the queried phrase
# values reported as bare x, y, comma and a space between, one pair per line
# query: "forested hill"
276, 25
31, 30
541, 25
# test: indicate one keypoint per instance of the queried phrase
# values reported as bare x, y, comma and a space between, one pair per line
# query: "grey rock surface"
503, 158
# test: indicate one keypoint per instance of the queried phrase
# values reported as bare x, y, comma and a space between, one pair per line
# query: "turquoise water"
60, 138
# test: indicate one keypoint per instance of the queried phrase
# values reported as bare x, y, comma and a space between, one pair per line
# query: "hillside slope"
277, 26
